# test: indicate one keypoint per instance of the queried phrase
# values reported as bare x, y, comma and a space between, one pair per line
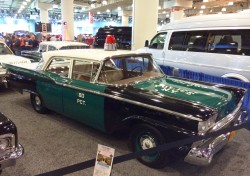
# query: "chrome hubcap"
37, 100
147, 142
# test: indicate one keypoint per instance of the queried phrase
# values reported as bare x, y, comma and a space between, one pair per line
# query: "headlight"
206, 125
4, 143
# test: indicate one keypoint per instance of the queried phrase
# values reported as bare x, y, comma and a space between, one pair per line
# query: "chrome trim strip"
228, 119
204, 65
133, 102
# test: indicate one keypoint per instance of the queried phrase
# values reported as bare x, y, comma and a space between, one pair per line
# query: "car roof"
90, 54
210, 21
59, 44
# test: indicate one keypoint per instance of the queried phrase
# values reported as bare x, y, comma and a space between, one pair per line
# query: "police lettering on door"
80, 99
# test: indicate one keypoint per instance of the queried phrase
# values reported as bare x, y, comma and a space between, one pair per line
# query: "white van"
213, 44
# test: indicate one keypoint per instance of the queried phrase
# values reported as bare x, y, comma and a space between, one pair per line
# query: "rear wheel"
143, 137
37, 104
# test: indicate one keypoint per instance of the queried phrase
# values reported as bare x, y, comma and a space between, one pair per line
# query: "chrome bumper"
202, 152
9, 159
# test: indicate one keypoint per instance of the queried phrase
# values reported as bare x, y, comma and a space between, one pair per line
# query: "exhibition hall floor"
52, 141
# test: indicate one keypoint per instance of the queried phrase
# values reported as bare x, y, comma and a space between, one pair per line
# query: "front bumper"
202, 152
9, 158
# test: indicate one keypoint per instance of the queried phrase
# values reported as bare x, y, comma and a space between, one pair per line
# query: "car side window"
43, 48
229, 42
85, 70
176, 41
196, 41
51, 48
59, 66
158, 41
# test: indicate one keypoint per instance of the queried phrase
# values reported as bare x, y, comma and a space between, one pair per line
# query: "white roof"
206, 21
59, 44
90, 54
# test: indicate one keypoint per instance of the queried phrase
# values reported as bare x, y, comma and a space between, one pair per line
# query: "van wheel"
143, 137
37, 104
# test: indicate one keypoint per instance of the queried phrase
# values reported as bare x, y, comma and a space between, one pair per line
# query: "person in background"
79, 38
28, 42
8, 39
44, 38
22, 43
13, 38
16, 46
35, 42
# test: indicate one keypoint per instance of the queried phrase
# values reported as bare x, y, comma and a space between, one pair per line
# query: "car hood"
211, 96
14, 60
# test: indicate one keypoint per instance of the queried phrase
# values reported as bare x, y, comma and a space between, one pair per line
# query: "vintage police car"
36, 55
7, 56
10, 149
109, 90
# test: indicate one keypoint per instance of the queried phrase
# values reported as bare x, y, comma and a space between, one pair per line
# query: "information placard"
104, 161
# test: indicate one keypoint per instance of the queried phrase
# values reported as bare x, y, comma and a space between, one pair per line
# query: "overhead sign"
91, 17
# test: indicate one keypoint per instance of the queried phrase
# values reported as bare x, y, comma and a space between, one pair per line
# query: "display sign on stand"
104, 161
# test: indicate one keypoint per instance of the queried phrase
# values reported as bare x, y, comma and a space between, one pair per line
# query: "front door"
156, 47
51, 91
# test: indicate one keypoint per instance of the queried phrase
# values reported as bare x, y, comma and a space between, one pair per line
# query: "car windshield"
129, 69
4, 49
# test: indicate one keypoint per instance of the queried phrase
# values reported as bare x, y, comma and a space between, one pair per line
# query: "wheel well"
235, 77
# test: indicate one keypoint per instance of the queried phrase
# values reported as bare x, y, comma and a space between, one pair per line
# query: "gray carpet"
53, 141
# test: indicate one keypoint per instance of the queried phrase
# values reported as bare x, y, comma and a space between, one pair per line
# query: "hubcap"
38, 101
147, 142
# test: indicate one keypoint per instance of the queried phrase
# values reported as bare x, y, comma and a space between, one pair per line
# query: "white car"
7, 56
36, 55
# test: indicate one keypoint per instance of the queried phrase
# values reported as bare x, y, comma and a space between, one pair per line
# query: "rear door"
83, 99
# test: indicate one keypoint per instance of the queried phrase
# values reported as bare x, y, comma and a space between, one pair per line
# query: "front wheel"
143, 137
37, 104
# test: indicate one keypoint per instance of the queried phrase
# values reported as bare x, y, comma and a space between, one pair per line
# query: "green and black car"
113, 90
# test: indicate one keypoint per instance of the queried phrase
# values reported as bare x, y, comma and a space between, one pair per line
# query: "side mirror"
146, 43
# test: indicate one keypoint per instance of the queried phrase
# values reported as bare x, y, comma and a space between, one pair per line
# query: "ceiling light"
203, 7
164, 12
98, 13
223, 9
159, 7
55, 6
205, 0
201, 12
104, 2
21, 7
24, 3
92, 5
231, 3
108, 11
119, 8
28, 0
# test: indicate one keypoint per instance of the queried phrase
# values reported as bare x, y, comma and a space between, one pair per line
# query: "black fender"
170, 132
